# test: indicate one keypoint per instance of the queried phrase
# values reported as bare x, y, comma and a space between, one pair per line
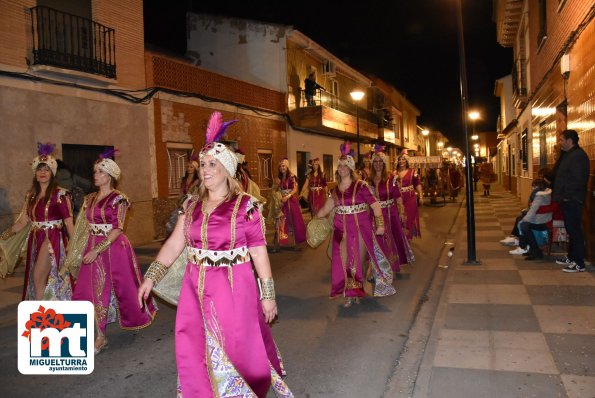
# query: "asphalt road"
328, 350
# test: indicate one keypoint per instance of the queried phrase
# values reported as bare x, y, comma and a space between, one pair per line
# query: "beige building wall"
125, 17
32, 112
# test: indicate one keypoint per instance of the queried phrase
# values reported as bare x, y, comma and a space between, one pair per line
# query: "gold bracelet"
7, 234
379, 221
100, 248
267, 289
156, 272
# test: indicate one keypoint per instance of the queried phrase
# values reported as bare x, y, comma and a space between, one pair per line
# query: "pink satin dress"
292, 221
354, 243
48, 224
111, 282
316, 196
224, 347
408, 184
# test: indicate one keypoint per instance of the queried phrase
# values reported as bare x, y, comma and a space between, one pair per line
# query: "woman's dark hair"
540, 184
36, 188
546, 174
311, 173
196, 175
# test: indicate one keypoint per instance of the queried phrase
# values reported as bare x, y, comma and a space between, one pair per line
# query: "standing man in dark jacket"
570, 188
310, 88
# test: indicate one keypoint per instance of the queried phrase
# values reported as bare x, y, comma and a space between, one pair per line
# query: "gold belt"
218, 258
100, 229
408, 188
352, 209
46, 224
386, 203
316, 188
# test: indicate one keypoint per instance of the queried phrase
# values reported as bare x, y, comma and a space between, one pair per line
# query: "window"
334, 94
542, 33
80, 158
542, 146
398, 120
177, 158
265, 168
524, 150
327, 167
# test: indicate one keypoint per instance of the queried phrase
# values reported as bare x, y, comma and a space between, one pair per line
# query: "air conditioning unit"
329, 69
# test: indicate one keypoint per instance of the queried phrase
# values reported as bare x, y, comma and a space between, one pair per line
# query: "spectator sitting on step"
532, 221
513, 238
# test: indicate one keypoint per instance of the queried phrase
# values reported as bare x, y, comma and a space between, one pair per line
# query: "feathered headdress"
215, 130
44, 156
216, 127
378, 152
107, 164
347, 155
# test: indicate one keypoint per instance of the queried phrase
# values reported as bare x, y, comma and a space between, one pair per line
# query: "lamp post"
471, 247
474, 115
426, 133
357, 95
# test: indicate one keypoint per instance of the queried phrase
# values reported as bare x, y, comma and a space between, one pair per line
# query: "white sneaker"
510, 241
520, 250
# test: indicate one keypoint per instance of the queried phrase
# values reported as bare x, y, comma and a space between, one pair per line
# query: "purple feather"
109, 153
216, 127
378, 148
346, 148
45, 149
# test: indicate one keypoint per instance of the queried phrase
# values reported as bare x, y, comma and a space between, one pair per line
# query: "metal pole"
357, 131
471, 253
474, 165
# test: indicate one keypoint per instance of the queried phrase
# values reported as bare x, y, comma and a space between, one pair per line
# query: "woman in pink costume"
291, 221
387, 190
354, 240
316, 185
224, 346
48, 208
410, 185
191, 179
110, 276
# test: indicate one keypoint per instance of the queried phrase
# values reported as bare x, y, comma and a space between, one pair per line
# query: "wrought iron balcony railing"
519, 83
68, 41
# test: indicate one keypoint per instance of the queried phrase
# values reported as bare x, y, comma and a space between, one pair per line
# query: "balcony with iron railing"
71, 42
335, 116
519, 83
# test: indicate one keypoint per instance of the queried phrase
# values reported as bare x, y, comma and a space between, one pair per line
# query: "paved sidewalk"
508, 327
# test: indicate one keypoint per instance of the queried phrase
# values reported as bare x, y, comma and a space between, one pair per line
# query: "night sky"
411, 44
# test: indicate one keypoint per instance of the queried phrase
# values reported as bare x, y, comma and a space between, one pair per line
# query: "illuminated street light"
426, 133
474, 115
357, 95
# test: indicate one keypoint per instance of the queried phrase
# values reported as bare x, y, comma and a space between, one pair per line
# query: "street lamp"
474, 115
426, 133
357, 95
